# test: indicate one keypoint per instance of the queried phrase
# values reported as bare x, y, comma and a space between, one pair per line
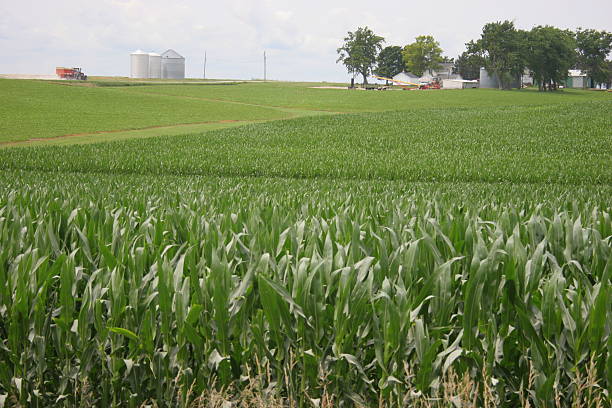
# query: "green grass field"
306, 97
32, 110
38, 110
425, 249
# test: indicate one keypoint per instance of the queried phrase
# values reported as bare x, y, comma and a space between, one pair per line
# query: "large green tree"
468, 65
423, 55
593, 48
608, 81
359, 52
390, 61
503, 48
549, 53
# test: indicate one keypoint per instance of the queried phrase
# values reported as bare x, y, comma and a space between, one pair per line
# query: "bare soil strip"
32, 76
295, 112
107, 132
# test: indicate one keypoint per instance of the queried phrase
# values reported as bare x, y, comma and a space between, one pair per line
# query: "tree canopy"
550, 53
502, 47
423, 55
468, 65
608, 72
359, 52
593, 48
390, 61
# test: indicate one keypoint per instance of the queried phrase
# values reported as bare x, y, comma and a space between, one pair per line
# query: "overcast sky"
299, 37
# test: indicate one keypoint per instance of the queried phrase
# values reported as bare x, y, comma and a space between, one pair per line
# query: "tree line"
504, 50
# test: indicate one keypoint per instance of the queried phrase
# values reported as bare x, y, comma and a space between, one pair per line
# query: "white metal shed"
459, 84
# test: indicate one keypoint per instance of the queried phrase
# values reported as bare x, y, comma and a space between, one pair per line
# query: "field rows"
535, 145
346, 295
39, 109
440, 251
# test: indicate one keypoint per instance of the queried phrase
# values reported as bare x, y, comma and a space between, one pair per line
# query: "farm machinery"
70, 73
410, 85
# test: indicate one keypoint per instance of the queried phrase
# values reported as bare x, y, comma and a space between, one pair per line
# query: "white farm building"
169, 65
408, 77
444, 71
459, 84
577, 79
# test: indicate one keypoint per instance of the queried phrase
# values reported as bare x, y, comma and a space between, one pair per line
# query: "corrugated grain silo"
172, 65
488, 81
139, 64
154, 65
491, 80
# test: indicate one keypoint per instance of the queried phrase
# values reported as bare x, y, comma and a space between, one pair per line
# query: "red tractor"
435, 84
70, 73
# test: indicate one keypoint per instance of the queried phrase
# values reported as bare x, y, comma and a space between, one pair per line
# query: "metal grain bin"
139, 64
155, 65
488, 81
172, 65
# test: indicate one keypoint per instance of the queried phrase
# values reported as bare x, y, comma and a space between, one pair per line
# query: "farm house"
444, 72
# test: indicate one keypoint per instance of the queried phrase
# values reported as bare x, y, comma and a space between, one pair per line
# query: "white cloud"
300, 37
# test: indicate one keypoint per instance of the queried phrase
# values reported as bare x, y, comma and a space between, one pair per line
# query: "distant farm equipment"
431, 85
410, 85
70, 73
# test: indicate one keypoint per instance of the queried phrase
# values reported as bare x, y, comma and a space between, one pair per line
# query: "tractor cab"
70, 73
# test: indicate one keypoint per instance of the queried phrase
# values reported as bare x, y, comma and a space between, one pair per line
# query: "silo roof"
139, 52
172, 54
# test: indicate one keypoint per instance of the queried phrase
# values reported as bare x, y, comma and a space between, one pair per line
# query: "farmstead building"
407, 77
578, 79
459, 84
444, 71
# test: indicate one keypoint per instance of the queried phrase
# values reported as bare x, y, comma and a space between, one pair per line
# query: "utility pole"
265, 68
204, 64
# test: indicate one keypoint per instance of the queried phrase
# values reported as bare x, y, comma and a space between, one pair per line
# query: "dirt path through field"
166, 130
121, 134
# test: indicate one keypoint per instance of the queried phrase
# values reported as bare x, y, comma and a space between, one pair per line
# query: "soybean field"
421, 250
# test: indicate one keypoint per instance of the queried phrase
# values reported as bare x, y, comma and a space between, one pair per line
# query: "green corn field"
122, 297
464, 262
